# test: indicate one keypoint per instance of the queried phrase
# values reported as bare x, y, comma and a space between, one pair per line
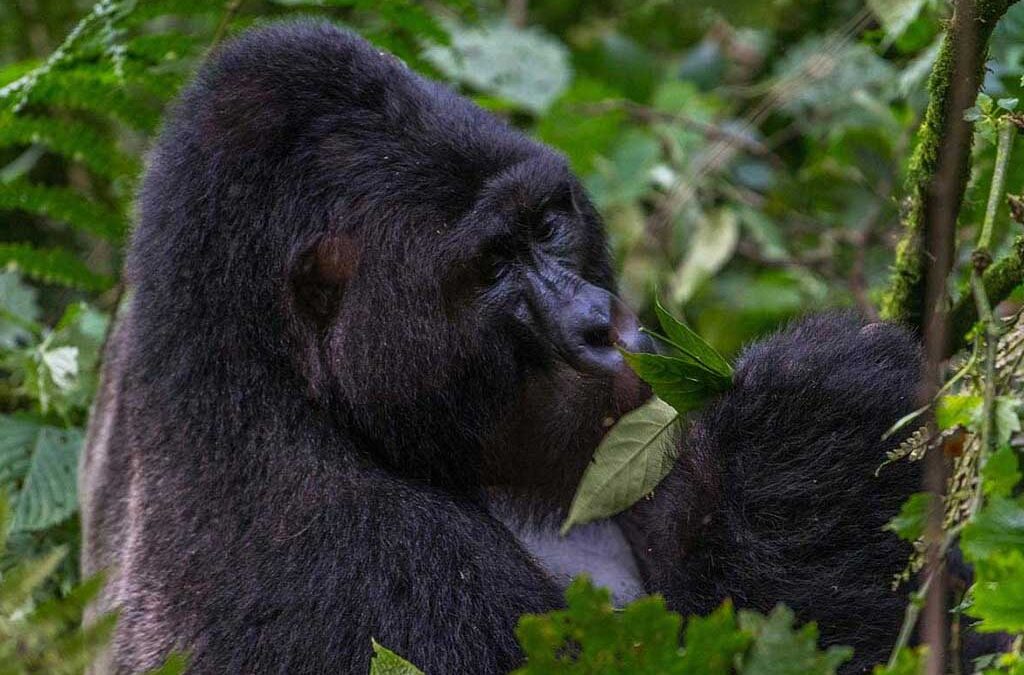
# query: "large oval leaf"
631, 460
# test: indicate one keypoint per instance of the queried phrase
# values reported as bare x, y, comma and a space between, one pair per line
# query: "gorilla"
370, 347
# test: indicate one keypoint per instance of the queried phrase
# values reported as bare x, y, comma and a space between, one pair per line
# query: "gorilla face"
492, 341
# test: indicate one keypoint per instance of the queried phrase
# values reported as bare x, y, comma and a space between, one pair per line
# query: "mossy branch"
944, 138
999, 281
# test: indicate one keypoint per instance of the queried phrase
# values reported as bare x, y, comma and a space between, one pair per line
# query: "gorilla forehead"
343, 121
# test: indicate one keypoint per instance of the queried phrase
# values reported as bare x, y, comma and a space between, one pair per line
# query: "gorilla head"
436, 282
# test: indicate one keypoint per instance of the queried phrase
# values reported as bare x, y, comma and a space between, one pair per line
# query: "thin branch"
939, 168
231, 8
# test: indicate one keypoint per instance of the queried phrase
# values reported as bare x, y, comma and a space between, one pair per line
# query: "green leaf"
713, 643
958, 410
74, 140
1001, 473
997, 528
53, 266
998, 593
779, 649
44, 461
17, 585
712, 245
589, 636
386, 662
19, 310
63, 205
896, 15
1008, 104
909, 523
680, 336
630, 461
524, 66
908, 662
1006, 418
679, 383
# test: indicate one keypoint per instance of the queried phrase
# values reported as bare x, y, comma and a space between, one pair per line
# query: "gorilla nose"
599, 325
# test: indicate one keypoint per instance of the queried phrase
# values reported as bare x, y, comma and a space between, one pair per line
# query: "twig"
231, 8
998, 280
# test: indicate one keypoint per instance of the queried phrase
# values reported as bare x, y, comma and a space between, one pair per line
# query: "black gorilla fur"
320, 376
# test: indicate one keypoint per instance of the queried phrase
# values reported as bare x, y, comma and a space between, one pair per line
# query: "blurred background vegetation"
747, 156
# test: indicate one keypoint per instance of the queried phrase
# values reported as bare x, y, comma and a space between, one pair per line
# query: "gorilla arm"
774, 497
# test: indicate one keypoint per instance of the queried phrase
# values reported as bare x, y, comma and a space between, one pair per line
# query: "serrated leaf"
630, 461
958, 410
998, 593
713, 643
43, 460
909, 523
680, 336
781, 649
386, 662
1001, 473
589, 636
997, 528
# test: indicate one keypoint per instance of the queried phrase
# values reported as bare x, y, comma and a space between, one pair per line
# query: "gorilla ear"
321, 275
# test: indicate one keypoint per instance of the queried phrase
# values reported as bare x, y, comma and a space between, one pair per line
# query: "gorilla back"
358, 300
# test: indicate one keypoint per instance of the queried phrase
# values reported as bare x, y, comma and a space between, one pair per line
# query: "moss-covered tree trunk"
940, 166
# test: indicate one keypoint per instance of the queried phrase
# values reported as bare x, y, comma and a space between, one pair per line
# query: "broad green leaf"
1001, 473
680, 336
998, 593
998, 528
896, 15
1007, 419
19, 309
589, 636
630, 461
524, 66
713, 643
956, 410
679, 383
909, 523
780, 649
44, 460
386, 662
712, 245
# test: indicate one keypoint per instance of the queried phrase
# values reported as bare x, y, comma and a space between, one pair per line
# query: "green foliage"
523, 67
46, 636
644, 637
386, 662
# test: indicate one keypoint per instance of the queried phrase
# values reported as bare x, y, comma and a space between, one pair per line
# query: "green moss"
904, 300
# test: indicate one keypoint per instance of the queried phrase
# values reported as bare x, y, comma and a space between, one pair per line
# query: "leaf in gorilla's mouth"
638, 452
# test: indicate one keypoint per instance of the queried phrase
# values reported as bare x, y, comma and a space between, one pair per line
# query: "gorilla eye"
547, 227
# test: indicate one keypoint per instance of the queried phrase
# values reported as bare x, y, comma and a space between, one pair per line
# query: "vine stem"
982, 258
231, 8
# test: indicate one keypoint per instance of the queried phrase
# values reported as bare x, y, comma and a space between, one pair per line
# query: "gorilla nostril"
598, 336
